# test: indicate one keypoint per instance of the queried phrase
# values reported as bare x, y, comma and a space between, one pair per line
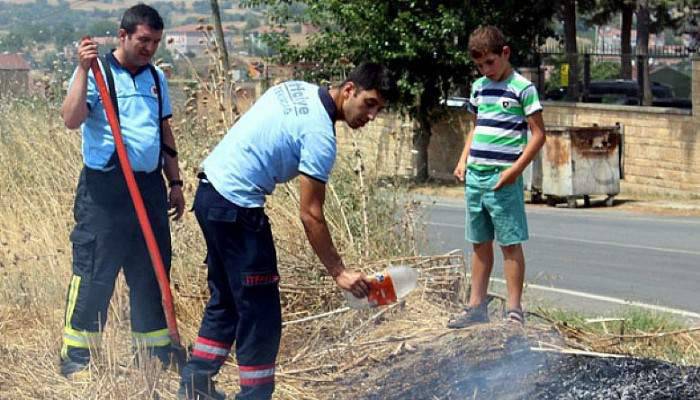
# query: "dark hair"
141, 14
486, 39
374, 76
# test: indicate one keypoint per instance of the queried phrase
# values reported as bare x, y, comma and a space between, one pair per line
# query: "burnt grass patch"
619, 378
497, 362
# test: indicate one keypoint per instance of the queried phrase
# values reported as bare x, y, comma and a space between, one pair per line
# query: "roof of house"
268, 29
105, 40
191, 28
13, 61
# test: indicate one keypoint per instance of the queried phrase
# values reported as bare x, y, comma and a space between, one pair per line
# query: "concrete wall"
385, 145
661, 145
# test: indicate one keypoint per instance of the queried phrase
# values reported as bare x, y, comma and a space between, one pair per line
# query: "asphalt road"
593, 260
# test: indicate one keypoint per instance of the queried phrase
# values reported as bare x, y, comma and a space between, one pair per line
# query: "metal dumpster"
578, 162
532, 176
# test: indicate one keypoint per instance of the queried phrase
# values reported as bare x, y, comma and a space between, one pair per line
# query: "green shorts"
500, 213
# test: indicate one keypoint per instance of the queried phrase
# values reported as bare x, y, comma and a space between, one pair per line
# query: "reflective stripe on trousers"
244, 306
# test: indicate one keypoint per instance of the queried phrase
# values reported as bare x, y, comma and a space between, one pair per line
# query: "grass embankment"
635, 332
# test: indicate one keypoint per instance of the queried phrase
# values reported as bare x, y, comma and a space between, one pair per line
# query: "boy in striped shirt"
503, 105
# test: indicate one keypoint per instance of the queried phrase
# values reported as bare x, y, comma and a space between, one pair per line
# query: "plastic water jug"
386, 287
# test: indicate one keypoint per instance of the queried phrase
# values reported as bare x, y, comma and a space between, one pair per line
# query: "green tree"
103, 28
201, 7
163, 55
566, 12
251, 22
33, 32
424, 42
604, 70
691, 24
63, 34
653, 16
603, 13
12, 42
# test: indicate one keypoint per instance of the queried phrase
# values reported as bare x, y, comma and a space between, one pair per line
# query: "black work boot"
199, 389
161, 355
74, 369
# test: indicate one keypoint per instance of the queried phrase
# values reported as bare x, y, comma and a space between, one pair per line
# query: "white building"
190, 39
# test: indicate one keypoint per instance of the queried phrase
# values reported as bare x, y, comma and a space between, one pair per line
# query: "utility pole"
221, 43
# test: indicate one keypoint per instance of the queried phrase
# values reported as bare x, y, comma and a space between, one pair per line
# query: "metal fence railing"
606, 75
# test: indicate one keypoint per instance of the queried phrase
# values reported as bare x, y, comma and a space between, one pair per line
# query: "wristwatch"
175, 182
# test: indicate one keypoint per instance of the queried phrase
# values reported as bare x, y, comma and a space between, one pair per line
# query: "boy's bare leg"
514, 271
482, 264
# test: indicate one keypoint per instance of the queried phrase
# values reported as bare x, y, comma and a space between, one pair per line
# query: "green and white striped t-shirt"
501, 109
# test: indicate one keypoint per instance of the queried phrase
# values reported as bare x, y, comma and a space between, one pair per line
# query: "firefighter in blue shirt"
107, 236
289, 132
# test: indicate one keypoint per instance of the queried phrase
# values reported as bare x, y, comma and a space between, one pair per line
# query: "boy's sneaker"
470, 316
515, 316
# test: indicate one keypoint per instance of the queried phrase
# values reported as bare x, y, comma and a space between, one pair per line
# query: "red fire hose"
153, 250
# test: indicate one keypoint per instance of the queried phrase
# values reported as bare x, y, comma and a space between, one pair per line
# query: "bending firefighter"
107, 236
289, 132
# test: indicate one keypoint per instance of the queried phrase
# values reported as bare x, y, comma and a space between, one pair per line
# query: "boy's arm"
461, 167
536, 124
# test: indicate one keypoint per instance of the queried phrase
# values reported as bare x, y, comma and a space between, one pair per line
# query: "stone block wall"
661, 153
695, 85
447, 143
385, 145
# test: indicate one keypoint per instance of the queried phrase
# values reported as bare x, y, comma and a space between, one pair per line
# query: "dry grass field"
373, 226
39, 164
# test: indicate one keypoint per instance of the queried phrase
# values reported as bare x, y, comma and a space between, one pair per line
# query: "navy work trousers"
244, 306
106, 238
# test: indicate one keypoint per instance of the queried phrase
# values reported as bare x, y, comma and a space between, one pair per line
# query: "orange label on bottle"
381, 291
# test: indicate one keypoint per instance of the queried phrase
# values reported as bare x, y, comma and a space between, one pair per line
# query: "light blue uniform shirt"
138, 116
287, 132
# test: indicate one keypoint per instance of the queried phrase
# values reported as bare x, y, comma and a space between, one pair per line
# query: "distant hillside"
89, 5
60, 22
46, 30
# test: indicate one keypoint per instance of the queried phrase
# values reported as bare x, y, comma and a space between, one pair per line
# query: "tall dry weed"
39, 165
